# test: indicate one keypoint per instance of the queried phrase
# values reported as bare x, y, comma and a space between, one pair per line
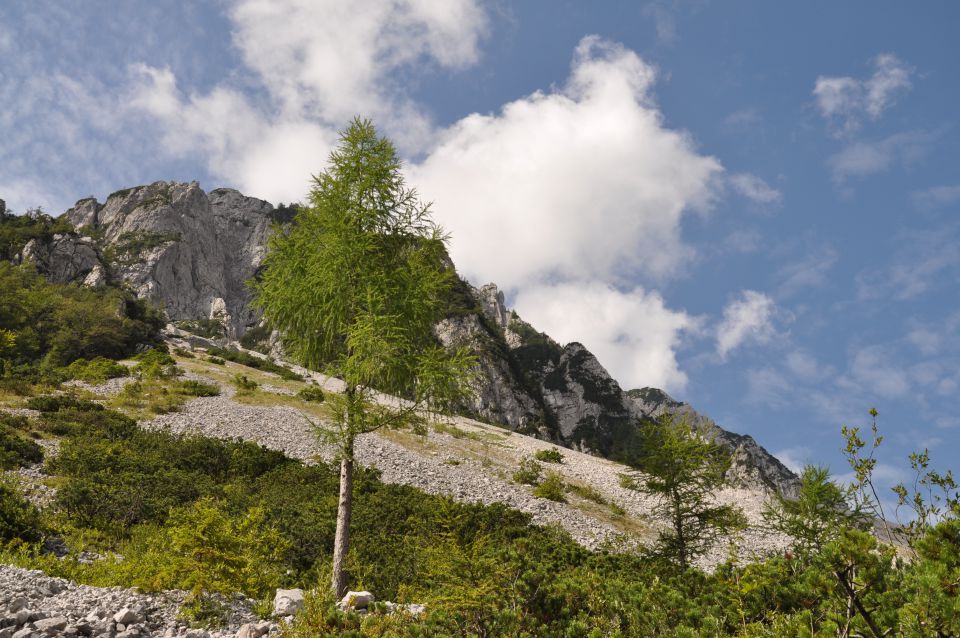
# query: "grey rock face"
498, 397
752, 467
64, 258
191, 252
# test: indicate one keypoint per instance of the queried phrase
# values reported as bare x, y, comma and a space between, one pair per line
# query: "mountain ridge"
193, 252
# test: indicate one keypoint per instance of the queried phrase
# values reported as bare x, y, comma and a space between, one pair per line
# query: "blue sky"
752, 204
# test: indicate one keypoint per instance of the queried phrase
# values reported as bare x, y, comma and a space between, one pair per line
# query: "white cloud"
867, 158
579, 184
320, 62
749, 318
755, 189
332, 60
633, 334
845, 100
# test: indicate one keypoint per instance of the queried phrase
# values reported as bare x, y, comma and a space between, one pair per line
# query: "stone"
287, 602
62, 258
56, 623
17, 604
356, 600
126, 616
26, 632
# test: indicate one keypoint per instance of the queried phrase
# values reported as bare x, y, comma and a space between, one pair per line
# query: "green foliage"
551, 488
361, 277
214, 551
684, 470
587, 492
257, 363
182, 352
96, 370
216, 361
628, 482
356, 285
243, 384
817, 515
256, 338
194, 388
529, 472
208, 328
17, 230
48, 326
156, 363
16, 448
312, 393
549, 456
19, 520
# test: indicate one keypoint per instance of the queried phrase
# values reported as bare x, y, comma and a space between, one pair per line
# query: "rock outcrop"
189, 251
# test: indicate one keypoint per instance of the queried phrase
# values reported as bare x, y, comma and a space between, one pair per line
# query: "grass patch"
587, 492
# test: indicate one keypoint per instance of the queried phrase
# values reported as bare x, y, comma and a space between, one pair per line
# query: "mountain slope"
193, 252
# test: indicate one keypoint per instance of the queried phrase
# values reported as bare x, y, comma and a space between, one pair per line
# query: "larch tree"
684, 471
356, 284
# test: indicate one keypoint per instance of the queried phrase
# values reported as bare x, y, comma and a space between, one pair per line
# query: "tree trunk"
341, 543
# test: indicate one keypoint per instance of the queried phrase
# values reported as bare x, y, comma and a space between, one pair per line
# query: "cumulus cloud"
844, 100
331, 59
749, 318
582, 183
318, 62
633, 333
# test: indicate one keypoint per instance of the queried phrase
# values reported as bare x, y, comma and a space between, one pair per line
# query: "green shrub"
59, 402
184, 353
312, 393
156, 364
208, 328
552, 455
243, 358
551, 488
19, 520
96, 370
194, 388
15, 449
627, 481
216, 361
243, 384
529, 472
256, 338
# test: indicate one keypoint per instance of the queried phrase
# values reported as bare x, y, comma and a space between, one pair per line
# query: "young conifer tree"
684, 471
355, 285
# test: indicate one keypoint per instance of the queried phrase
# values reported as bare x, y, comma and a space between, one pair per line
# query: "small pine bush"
312, 393
529, 472
549, 456
551, 488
